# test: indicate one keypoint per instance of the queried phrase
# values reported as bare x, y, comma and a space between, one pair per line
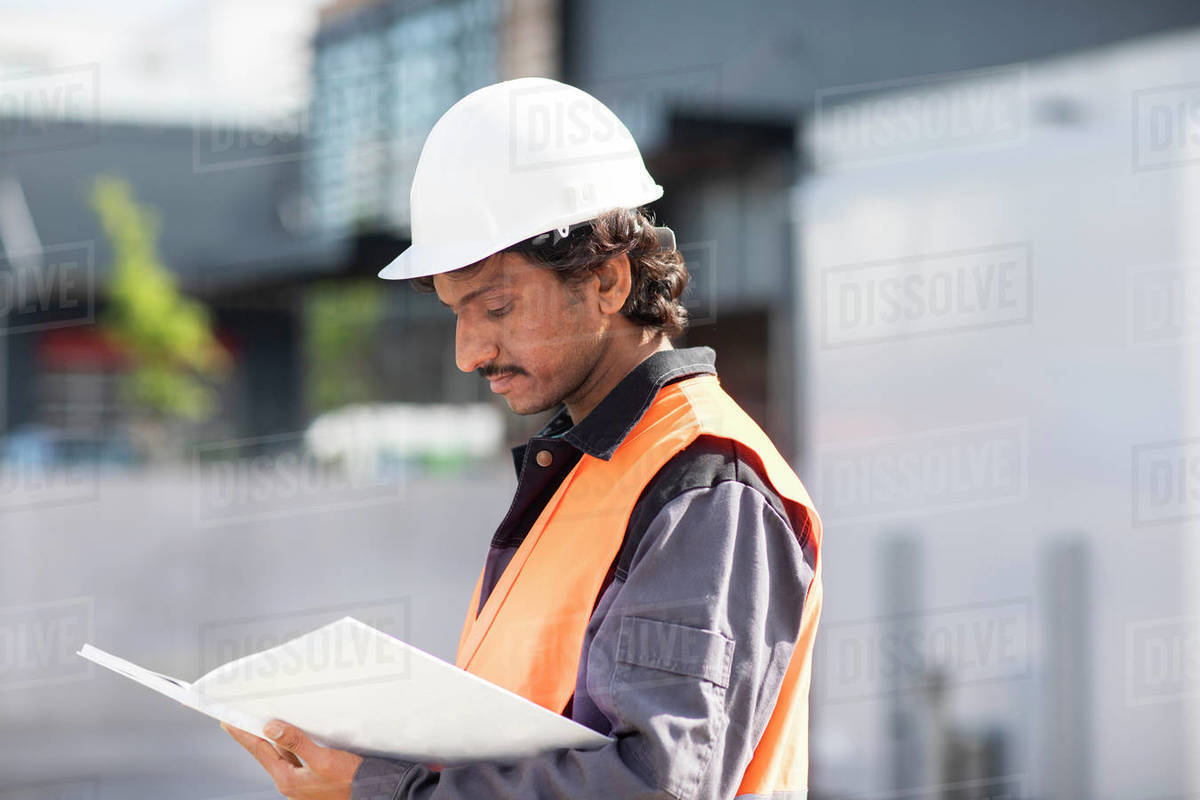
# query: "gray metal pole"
1066, 587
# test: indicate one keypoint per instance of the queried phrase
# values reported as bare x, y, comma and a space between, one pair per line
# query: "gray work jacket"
712, 569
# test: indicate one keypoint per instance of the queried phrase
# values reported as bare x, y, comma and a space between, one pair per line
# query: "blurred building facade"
232, 239
383, 74
1000, 332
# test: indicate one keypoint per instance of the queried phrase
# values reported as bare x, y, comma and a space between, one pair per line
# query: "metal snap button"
544, 458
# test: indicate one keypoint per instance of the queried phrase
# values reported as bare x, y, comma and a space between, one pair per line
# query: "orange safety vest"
529, 635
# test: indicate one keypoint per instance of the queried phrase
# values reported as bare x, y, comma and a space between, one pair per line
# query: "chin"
521, 409
524, 407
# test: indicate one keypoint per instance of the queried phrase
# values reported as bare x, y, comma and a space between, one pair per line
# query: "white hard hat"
511, 161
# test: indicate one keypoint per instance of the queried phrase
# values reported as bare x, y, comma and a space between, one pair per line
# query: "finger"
294, 740
289, 756
286, 755
262, 750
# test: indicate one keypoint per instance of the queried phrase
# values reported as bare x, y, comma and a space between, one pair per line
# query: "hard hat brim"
422, 260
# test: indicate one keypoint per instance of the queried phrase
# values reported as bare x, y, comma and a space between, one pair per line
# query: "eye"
499, 312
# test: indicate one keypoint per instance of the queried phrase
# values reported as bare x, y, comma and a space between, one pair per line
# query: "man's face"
517, 318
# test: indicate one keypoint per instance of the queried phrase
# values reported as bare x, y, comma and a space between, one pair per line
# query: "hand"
301, 769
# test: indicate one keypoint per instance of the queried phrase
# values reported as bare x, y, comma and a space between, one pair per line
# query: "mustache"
495, 372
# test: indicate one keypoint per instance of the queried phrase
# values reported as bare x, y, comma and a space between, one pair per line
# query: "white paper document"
355, 688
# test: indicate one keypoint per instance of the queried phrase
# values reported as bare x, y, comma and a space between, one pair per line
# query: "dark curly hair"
659, 277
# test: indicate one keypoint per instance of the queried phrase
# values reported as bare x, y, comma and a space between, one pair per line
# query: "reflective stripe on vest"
529, 635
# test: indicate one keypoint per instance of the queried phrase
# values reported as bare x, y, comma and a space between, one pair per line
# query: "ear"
614, 282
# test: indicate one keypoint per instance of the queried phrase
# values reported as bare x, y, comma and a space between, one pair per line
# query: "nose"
473, 347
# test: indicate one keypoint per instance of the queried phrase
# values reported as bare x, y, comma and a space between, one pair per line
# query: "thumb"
294, 740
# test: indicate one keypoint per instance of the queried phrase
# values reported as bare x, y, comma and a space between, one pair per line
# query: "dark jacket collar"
602, 431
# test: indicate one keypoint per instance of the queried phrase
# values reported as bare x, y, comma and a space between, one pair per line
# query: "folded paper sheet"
353, 687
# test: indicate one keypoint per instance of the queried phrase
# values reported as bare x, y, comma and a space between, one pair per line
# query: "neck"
613, 365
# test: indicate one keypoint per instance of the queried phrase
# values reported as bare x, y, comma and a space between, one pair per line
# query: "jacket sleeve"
682, 662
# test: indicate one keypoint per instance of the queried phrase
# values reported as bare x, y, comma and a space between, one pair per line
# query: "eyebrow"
471, 295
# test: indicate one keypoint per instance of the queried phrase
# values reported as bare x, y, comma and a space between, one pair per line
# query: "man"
657, 576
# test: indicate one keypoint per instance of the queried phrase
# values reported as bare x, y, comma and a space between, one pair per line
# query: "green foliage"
176, 357
341, 320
